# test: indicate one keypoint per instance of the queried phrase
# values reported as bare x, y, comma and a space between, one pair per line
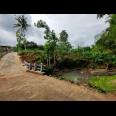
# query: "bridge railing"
34, 66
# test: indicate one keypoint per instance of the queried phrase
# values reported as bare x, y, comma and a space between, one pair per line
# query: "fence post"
41, 67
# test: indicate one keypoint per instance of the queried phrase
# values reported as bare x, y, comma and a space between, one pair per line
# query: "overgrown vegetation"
58, 53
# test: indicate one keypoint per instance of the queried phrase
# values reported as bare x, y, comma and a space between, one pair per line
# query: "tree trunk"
25, 47
54, 59
18, 47
49, 61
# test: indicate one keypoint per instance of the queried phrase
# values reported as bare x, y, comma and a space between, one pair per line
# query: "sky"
81, 28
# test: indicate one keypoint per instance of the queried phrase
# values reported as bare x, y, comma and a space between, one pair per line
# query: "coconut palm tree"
21, 24
24, 43
22, 27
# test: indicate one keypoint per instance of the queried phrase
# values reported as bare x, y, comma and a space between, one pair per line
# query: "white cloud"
7, 37
81, 27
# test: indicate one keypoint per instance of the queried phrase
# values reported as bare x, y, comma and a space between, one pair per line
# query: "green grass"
103, 83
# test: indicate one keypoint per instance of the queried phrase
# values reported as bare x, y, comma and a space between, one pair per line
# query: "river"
75, 76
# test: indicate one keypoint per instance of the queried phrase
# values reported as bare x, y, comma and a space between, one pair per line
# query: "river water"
75, 76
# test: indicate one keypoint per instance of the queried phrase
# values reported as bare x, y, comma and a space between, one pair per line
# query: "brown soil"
17, 84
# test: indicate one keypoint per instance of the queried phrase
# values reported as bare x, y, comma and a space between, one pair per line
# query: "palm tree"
21, 26
24, 43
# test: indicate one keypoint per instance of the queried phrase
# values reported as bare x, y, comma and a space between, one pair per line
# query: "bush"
30, 55
48, 71
70, 63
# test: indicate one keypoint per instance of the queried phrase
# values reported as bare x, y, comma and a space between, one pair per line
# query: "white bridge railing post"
29, 66
35, 66
41, 67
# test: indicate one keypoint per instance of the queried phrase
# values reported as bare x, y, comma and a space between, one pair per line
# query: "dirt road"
17, 84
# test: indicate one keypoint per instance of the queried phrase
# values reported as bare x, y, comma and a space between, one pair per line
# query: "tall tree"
108, 37
63, 45
24, 42
21, 26
63, 41
50, 36
63, 36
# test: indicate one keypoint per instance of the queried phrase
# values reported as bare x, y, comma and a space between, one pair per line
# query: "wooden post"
41, 67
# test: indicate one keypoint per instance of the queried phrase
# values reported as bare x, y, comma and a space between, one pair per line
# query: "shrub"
72, 63
48, 71
30, 55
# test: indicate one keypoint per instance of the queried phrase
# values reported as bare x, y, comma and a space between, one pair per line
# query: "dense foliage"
58, 52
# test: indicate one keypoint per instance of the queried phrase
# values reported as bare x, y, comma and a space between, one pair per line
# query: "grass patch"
103, 83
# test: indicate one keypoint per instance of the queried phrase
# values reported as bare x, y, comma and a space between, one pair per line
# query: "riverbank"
99, 79
17, 84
